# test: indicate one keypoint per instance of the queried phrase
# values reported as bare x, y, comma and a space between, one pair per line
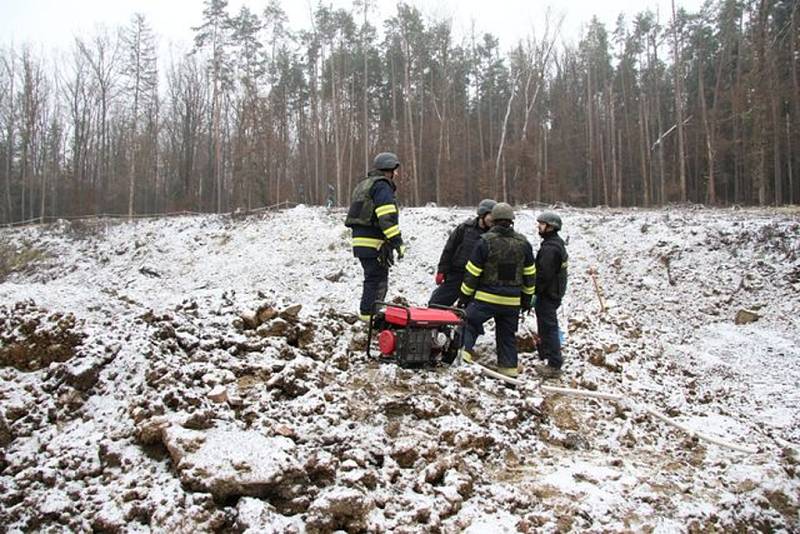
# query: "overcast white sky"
52, 23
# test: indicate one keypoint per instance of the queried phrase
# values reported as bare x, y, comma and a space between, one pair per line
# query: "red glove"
439, 279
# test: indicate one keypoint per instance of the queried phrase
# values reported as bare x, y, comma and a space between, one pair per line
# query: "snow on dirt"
208, 373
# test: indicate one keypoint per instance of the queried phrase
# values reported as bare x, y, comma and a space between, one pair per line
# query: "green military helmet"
502, 212
486, 206
551, 218
386, 161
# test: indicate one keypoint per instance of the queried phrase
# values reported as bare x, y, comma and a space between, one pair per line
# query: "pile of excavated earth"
208, 373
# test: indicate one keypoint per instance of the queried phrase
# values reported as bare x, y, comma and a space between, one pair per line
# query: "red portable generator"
414, 337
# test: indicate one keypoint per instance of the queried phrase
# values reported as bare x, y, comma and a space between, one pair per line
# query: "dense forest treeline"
697, 107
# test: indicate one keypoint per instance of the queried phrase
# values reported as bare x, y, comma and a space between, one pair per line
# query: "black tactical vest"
362, 207
506, 258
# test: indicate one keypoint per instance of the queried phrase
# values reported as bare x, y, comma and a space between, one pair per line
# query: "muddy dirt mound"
32, 339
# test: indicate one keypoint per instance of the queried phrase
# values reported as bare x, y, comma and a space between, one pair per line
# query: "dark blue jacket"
384, 225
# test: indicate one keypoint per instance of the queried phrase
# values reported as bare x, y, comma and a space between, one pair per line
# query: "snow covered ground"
113, 335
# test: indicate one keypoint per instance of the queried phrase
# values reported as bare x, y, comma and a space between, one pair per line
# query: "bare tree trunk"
615, 182
10, 66
323, 142
651, 163
740, 193
410, 121
218, 147
420, 136
503, 140
315, 121
543, 175
441, 115
737, 160
679, 103
620, 187
395, 122
777, 169
789, 159
470, 187
336, 146
711, 196
366, 86
353, 138
762, 98
481, 140
643, 143
660, 125
795, 59
601, 142
626, 123
590, 132
761, 174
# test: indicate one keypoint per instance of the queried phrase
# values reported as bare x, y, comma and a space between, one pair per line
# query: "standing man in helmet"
457, 250
498, 282
374, 219
551, 284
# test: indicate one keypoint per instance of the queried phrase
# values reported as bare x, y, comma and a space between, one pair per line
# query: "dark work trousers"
547, 325
376, 282
447, 293
506, 321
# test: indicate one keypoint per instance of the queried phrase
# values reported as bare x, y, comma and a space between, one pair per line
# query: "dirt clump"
32, 339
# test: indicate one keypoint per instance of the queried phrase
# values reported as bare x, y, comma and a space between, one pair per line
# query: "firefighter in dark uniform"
498, 283
457, 250
551, 284
374, 219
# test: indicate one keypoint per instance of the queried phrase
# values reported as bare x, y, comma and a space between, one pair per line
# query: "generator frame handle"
458, 311
462, 314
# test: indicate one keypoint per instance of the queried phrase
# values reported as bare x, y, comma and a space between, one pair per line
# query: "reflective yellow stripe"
529, 290
386, 209
496, 299
466, 289
392, 231
473, 269
364, 317
529, 270
369, 242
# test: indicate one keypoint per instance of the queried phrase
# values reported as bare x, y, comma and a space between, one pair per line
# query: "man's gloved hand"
386, 256
401, 251
439, 279
462, 302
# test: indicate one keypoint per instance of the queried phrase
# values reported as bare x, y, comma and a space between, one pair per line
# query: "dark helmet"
502, 212
485, 206
386, 161
551, 218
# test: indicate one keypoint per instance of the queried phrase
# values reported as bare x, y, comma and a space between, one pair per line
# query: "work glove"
439, 279
385, 256
462, 302
401, 251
